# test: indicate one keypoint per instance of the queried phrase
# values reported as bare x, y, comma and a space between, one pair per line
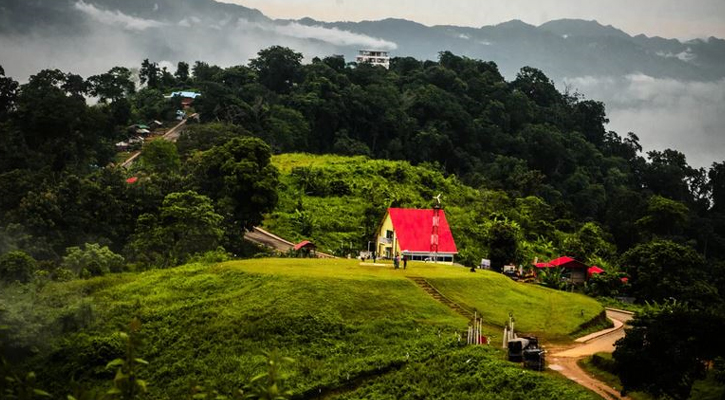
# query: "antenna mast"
434, 231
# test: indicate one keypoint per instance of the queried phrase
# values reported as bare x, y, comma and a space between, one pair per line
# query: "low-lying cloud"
116, 18
335, 36
664, 113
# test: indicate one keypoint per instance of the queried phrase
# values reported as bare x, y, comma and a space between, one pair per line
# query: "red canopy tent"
594, 270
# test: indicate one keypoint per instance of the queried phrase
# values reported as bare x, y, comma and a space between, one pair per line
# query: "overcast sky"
667, 18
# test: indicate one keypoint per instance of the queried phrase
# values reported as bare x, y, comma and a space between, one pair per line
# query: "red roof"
304, 243
413, 228
567, 262
132, 180
543, 265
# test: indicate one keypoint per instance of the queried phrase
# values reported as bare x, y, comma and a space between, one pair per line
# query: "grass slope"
343, 324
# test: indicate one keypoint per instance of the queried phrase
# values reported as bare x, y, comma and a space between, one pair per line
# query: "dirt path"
171, 135
565, 360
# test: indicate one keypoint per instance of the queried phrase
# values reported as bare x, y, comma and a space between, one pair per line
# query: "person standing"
396, 261
405, 261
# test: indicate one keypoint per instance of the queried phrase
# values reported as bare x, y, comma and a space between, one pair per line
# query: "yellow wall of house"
382, 248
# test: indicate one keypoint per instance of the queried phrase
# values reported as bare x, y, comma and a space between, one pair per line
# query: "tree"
589, 243
150, 74
241, 178
590, 118
279, 68
662, 269
667, 348
55, 126
114, 85
92, 260
664, 218
503, 241
17, 266
160, 156
716, 183
668, 174
536, 86
8, 94
202, 137
187, 224
149, 104
204, 72
182, 72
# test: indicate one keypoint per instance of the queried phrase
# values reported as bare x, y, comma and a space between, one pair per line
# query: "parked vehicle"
526, 350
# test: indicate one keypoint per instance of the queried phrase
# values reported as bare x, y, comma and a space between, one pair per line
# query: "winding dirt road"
565, 360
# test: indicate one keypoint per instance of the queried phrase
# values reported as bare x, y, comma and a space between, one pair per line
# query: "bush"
17, 266
211, 257
92, 260
63, 275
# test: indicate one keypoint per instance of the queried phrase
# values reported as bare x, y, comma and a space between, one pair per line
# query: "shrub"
17, 266
92, 260
211, 257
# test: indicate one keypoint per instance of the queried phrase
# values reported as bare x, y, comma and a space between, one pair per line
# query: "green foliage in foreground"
467, 373
209, 326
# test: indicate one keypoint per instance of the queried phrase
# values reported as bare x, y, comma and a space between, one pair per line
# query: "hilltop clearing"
338, 202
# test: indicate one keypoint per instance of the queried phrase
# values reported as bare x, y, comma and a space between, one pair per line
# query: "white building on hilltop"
374, 57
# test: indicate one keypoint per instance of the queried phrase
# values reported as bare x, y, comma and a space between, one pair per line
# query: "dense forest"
540, 172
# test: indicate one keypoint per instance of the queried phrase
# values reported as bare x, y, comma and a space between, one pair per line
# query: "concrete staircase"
461, 309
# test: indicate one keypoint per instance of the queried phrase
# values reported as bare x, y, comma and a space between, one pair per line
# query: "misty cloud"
116, 18
684, 55
664, 113
333, 36
188, 22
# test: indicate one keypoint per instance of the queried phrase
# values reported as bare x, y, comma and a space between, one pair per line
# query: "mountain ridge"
561, 47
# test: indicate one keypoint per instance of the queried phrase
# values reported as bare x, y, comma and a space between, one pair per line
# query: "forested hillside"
527, 170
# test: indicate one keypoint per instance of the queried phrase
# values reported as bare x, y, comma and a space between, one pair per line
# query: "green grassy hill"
338, 202
354, 331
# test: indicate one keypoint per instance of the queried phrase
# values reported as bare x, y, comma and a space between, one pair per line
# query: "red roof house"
420, 234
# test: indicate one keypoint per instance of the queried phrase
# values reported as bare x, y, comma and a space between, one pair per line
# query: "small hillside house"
422, 235
576, 271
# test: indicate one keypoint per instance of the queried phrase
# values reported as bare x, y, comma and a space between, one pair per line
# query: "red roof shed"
567, 262
305, 244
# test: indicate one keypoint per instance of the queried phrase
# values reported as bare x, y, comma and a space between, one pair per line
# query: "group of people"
396, 259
